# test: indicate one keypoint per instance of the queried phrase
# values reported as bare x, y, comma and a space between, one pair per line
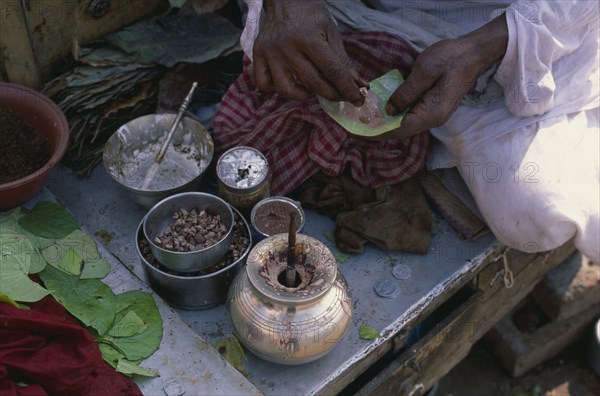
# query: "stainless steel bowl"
130, 152
161, 215
193, 292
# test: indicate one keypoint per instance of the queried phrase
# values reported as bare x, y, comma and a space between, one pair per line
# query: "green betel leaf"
231, 349
116, 359
98, 268
128, 368
89, 300
49, 220
15, 248
15, 262
383, 87
9, 222
6, 299
128, 325
15, 283
142, 344
110, 354
71, 262
368, 333
77, 240
85, 246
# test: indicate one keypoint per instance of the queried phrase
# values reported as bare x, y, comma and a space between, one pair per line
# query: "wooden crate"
36, 36
419, 367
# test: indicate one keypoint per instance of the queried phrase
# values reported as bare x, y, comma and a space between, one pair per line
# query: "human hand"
299, 53
442, 74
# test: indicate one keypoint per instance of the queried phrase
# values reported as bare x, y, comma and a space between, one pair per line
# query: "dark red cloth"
47, 348
299, 138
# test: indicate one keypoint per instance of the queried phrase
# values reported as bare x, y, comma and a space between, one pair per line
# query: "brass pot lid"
316, 267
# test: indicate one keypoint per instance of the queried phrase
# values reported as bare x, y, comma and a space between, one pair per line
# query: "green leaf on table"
97, 268
15, 263
89, 300
128, 368
368, 333
144, 343
231, 349
116, 359
49, 220
85, 246
128, 325
329, 234
6, 299
15, 248
9, 220
110, 354
15, 245
77, 240
71, 262
341, 257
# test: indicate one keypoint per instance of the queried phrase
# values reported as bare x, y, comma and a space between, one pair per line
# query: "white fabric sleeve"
540, 33
252, 24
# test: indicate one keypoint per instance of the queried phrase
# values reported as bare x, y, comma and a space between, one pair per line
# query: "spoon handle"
182, 109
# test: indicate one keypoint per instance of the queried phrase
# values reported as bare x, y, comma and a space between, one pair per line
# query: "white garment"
530, 160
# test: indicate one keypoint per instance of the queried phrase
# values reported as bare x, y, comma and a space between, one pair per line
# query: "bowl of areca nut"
189, 231
34, 133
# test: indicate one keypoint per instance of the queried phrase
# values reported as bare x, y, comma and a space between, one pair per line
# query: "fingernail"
357, 103
391, 110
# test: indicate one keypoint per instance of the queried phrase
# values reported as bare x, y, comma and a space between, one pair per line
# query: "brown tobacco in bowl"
239, 244
23, 150
191, 231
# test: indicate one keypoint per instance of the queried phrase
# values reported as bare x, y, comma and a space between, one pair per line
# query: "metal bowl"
193, 292
161, 215
130, 152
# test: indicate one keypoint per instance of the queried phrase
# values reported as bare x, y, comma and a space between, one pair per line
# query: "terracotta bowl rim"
63, 137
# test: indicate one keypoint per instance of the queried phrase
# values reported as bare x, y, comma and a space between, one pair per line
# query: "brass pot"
290, 325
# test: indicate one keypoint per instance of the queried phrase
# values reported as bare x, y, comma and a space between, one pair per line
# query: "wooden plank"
38, 40
417, 369
449, 338
16, 52
401, 329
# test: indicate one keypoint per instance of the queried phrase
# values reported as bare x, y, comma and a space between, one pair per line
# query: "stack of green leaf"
47, 241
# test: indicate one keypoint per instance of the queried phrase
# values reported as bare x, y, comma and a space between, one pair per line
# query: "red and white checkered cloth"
299, 138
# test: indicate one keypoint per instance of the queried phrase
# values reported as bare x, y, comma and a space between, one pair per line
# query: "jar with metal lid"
243, 177
271, 216
290, 325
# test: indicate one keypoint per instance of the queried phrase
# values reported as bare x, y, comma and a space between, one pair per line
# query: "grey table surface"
103, 208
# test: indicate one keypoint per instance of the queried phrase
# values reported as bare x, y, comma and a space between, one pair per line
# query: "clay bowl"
161, 215
130, 152
49, 120
195, 291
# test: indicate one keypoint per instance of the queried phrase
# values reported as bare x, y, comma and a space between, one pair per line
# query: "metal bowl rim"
172, 189
173, 197
212, 274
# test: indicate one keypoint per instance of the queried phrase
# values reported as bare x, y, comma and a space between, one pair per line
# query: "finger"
415, 85
262, 73
432, 110
286, 85
312, 80
334, 70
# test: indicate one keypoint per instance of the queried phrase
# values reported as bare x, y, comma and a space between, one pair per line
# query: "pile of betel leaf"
47, 241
